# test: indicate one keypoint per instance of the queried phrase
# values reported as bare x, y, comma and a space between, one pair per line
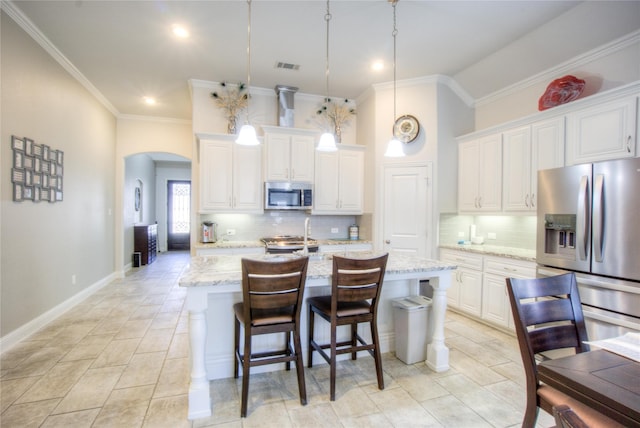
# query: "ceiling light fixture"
394, 147
180, 31
149, 100
327, 141
247, 135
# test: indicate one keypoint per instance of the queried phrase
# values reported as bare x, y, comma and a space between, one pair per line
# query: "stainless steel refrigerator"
588, 221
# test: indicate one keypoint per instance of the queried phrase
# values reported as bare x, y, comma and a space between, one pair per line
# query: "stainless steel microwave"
288, 196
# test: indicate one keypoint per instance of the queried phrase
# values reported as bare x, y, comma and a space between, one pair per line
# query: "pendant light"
394, 147
327, 141
247, 135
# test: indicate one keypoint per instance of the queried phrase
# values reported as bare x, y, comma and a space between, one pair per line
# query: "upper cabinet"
480, 174
526, 150
339, 181
289, 154
603, 131
230, 176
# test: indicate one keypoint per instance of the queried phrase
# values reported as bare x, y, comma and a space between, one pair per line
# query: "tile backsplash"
510, 231
249, 227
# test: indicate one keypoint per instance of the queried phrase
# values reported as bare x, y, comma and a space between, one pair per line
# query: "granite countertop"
258, 244
495, 250
226, 270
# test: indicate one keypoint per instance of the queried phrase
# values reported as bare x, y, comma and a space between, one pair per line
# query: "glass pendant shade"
247, 136
394, 149
327, 143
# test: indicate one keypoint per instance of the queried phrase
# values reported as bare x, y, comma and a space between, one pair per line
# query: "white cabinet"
465, 292
603, 131
480, 174
342, 249
495, 300
339, 181
526, 150
289, 154
479, 284
230, 176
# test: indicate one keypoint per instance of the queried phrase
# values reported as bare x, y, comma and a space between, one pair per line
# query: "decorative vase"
231, 125
338, 134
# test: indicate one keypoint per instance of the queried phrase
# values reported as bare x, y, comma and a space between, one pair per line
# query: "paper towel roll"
472, 231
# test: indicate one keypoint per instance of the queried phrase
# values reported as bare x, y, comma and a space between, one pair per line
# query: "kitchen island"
214, 284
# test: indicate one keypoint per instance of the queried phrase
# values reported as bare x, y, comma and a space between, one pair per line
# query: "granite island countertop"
495, 250
225, 270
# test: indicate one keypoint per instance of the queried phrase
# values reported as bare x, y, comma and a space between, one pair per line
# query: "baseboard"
26, 330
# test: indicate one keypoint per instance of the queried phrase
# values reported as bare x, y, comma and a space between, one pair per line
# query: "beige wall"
45, 244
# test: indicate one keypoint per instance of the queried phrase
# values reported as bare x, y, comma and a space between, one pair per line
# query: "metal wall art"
37, 172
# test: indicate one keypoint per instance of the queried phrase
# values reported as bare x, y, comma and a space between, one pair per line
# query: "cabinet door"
470, 291
325, 193
468, 173
606, 131
247, 179
216, 185
351, 180
547, 150
480, 174
490, 179
495, 302
516, 147
278, 157
302, 157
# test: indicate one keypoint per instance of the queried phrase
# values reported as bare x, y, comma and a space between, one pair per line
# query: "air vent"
288, 66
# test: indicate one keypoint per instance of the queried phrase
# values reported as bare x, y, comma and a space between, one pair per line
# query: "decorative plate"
561, 91
406, 128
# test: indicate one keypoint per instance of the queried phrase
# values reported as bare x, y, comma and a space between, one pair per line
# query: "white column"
437, 352
199, 394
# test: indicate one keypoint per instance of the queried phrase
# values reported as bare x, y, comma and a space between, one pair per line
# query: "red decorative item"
561, 91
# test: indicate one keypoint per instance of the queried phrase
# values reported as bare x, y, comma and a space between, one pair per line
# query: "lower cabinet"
227, 251
479, 287
145, 242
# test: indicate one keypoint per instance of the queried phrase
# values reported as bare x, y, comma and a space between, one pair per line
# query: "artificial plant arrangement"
232, 98
336, 114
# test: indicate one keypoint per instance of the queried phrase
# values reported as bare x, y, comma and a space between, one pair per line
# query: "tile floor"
120, 359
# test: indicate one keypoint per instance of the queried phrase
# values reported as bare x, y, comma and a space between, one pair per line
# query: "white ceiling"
126, 49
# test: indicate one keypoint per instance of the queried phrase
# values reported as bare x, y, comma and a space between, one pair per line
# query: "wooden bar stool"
272, 297
355, 287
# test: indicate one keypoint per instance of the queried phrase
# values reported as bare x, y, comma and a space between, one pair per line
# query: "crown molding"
30, 28
436, 79
563, 68
158, 119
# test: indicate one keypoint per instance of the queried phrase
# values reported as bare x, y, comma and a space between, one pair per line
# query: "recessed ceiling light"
377, 65
180, 31
149, 100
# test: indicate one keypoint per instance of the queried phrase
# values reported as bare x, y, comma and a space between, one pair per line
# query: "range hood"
285, 105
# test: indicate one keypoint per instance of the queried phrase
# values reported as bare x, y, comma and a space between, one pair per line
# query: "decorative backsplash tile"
510, 231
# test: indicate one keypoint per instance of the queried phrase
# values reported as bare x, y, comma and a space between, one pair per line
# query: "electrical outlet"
335, 230
73, 279
231, 232
491, 235
460, 234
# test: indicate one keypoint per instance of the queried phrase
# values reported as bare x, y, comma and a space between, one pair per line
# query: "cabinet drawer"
509, 267
462, 259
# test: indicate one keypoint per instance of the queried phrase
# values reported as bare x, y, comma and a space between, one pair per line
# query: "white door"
407, 209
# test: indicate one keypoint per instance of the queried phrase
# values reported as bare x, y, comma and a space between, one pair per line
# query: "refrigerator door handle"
598, 217
583, 217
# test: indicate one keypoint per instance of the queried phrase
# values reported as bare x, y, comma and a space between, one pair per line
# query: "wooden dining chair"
567, 418
355, 288
548, 316
271, 302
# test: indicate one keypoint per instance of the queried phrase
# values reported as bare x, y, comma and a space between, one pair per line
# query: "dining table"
603, 380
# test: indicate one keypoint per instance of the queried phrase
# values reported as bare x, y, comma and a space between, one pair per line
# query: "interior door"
178, 214
407, 214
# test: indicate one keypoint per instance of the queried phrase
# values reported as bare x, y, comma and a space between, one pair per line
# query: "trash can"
137, 259
411, 319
